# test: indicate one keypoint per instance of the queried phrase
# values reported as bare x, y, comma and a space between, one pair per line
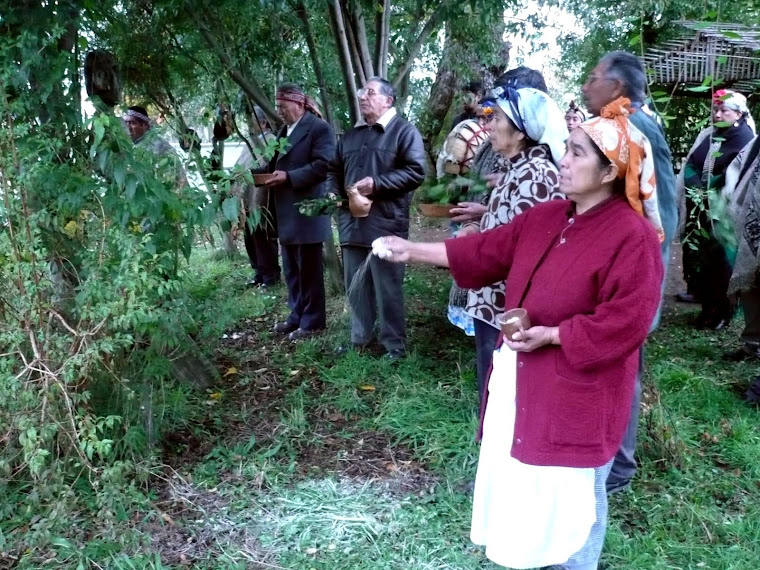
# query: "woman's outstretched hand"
392, 248
398, 250
467, 211
533, 338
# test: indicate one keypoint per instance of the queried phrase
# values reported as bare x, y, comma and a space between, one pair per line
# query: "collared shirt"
293, 126
383, 121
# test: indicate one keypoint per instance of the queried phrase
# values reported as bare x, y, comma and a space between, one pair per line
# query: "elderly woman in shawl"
528, 132
708, 251
588, 272
743, 193
745, 199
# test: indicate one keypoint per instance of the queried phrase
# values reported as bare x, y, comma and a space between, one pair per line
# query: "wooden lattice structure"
728, 52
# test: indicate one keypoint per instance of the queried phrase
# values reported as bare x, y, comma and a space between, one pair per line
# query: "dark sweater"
395, 158
601, 286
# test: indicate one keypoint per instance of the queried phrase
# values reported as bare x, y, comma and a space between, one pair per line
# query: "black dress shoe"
743, 353
301, 334
269, 284
285, 327
342, 349
721, 324
753, 394
686, 298
395, 354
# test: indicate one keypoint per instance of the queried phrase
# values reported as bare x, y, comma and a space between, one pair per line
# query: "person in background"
706, 260
381, 159
574, 116
139, 128
472, 207
588, 272
620, 74
470, 97
490, 165
261, 237
528, 131
487, 162
484, 113
147, 138
743, 194
298, 174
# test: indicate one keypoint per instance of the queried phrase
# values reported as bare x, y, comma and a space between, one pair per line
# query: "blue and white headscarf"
536, 114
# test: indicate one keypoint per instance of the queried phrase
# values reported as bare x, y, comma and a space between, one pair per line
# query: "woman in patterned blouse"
529, 132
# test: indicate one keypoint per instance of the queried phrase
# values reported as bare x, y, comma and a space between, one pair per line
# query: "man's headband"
297, 97
137, 115
293, 96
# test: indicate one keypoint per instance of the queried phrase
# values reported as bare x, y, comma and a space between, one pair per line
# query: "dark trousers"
262, 253
751, 306
304, 276
378, 293
624, 464
485, 343
712, 286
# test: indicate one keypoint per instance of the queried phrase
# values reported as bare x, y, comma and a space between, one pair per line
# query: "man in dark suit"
298, 174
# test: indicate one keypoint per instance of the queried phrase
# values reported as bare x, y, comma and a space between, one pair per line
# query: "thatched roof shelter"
728, 52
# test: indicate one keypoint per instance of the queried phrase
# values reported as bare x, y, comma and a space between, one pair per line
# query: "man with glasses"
383, 159
620, 74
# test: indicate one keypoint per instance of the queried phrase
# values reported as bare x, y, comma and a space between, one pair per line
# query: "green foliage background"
96, 296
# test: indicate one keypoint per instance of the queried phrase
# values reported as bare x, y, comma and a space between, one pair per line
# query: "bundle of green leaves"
326, 206
452, 189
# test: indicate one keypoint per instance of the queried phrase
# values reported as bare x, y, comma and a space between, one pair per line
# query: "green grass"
302, 459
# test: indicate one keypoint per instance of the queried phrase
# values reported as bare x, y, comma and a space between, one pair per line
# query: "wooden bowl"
436, 210
512, 321
261, 179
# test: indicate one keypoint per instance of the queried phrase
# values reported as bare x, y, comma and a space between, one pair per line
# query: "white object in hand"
513, 320
379, 249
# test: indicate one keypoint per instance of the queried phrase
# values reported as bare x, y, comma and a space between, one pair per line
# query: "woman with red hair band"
708, 250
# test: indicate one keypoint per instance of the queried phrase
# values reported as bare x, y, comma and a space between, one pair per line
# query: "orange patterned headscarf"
629, 149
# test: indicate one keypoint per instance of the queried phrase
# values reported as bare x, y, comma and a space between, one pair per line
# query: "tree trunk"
441, 95
414, 50
315, 62
403, 91
361, 76
334, 266
349, 81
360, 31
384, 31
378, 39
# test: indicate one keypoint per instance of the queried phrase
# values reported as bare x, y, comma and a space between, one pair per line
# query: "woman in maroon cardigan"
588, 272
